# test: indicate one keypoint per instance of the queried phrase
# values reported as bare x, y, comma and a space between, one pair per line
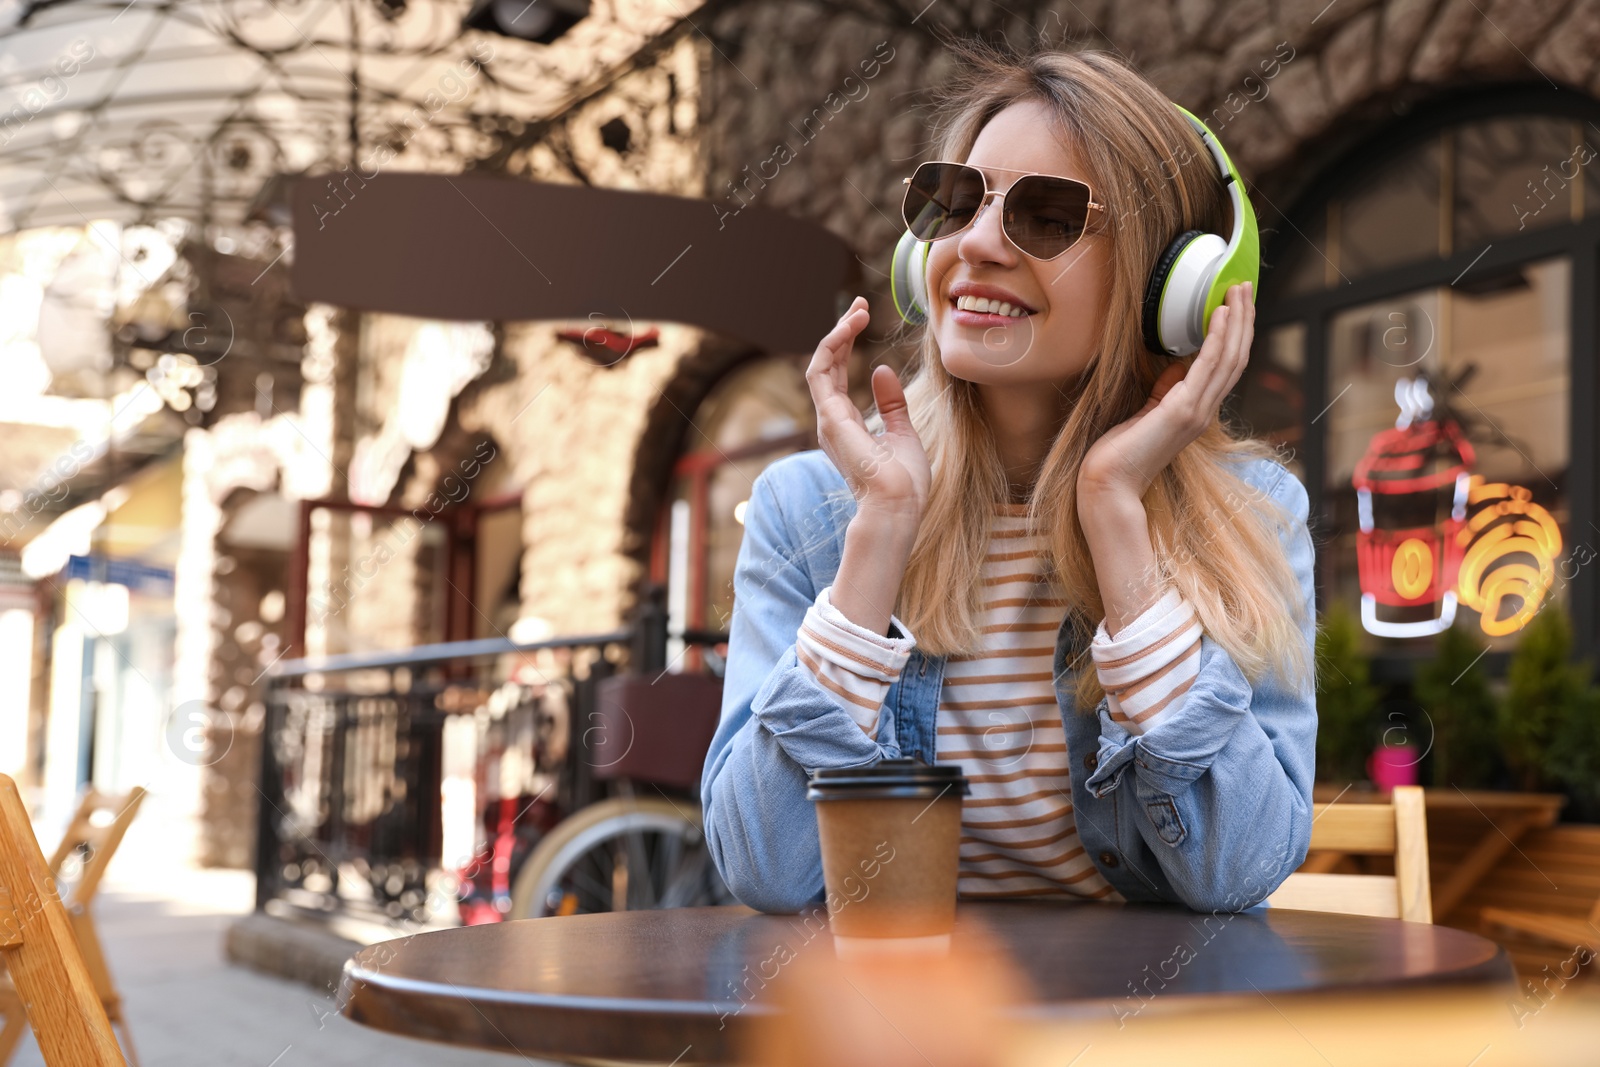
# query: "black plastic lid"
889, 778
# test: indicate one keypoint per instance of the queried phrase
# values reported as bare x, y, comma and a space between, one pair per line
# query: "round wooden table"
666, 985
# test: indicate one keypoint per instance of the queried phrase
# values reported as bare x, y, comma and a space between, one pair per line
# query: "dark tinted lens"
1045, 216
941, 199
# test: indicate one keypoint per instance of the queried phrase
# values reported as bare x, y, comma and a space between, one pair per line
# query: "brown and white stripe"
1000, 720
850, 661
1151, 664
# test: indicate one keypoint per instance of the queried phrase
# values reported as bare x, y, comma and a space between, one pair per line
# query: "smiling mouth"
980, 310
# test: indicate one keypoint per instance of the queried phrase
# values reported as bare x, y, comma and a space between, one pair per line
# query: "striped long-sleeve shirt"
998, 716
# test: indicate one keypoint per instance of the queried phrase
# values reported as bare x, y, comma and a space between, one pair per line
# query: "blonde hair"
1210, 539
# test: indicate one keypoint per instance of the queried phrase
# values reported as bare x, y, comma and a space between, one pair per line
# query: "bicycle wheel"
623, 853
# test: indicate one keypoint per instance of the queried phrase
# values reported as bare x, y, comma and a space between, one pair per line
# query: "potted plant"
1346, 699
1572, 759
1453, 688
1544, 689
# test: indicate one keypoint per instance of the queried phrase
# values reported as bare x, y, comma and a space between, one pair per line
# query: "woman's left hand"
1183, 403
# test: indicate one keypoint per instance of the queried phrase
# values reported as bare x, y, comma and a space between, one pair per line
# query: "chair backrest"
654, 729
100, 837
41, 952
1399, 829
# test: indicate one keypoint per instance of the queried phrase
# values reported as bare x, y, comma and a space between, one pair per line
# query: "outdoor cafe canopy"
474, 246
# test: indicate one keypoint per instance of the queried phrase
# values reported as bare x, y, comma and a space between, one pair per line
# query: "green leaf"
1544, 688
1346, 699
1453, 688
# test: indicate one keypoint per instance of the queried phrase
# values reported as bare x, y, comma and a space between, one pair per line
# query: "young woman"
1045, 559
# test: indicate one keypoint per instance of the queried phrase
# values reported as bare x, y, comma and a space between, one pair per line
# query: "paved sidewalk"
163, 922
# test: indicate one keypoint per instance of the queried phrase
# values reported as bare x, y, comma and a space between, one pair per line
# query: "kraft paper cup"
891, 840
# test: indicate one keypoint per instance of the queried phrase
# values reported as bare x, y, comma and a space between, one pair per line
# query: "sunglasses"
1041, 214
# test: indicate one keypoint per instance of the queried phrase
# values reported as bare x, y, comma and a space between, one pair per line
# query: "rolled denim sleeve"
1220, 791
778, 721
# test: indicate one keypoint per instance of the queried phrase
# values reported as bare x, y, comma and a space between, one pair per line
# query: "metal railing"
350, 811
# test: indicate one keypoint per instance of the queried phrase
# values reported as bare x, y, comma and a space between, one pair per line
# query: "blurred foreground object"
80, 861
41, 951
893, 1007
1447, 1028
923, 1009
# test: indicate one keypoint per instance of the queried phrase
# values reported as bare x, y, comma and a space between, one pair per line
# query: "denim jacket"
1210, 808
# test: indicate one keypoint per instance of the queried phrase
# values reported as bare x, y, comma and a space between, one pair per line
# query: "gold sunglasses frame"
1001, 193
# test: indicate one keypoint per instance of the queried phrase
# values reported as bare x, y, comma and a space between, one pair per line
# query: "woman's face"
1065, 298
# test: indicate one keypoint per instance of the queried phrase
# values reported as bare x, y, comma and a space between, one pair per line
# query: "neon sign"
1433, 535
1509, 525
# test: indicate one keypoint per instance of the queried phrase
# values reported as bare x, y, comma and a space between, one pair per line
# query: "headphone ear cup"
908, 279
1176, 297
1151, 313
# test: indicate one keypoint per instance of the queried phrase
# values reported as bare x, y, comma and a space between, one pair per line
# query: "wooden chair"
1399, 829
57, 976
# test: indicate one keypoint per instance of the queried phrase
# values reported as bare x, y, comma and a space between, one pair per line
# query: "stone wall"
246, 643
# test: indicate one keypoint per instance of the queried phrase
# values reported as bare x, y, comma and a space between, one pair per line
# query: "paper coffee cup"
891, 847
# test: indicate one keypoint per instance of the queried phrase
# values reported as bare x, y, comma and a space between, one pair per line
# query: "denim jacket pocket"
1162, 810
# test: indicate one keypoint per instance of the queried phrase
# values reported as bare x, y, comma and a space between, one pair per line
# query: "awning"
476, 246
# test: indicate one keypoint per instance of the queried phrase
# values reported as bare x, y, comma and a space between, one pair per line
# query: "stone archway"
666, 431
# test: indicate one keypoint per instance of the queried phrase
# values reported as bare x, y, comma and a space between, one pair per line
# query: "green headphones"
1188, 283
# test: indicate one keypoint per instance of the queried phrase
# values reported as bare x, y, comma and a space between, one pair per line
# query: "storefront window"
1392, 220
1494, 360
1520, 173
1456, 188
1271, 398
1414, 350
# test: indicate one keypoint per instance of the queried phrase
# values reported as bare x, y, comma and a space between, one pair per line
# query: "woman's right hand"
888, 473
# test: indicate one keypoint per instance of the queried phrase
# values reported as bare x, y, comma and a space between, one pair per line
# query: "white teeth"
989, 307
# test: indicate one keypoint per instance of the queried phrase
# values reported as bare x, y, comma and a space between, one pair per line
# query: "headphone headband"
1230, 177
1241, 257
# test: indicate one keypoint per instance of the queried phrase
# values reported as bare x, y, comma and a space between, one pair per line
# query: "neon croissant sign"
1434, 536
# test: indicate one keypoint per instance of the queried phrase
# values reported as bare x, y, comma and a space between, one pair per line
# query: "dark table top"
650, 984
